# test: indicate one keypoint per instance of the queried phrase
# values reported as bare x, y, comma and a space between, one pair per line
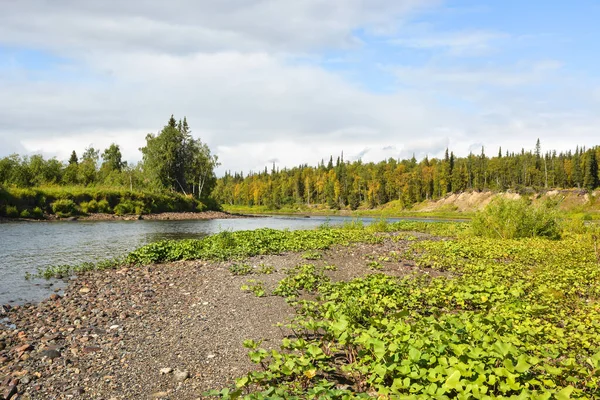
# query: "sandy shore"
111, 333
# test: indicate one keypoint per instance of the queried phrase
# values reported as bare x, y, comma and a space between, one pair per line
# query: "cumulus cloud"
115, 71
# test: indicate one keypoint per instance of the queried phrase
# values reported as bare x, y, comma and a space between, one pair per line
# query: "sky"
292, 82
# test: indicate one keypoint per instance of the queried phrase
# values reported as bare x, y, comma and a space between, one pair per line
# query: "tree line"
342, 184
172, 160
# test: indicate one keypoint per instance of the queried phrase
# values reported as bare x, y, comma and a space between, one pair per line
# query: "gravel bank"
168, 331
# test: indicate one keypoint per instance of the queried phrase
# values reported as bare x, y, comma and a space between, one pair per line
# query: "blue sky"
300, 80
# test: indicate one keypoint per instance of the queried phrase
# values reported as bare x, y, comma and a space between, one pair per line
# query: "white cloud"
186, 26
237, 69
456, 43
515, 76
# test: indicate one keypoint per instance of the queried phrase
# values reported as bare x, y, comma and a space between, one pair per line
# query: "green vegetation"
394, 186
512, 219
494, 318
238, 245
509, 319
70, 201
176, 174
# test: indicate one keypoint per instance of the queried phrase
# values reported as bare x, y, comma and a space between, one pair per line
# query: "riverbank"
458, 314
572, 203
162, 331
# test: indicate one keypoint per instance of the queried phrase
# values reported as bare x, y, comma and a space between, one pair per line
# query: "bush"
104, 207
25, 214
89, 206
512, 219
64, 208
37, 213
130, 207
12, 212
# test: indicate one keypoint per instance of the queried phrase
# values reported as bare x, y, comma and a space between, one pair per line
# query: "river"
27, 246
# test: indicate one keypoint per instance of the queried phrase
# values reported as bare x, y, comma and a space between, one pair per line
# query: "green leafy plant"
240, 269
254, 286
312, 255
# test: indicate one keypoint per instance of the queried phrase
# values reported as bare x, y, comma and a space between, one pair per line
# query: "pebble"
84, 290
164, 371
51, 354
181, 376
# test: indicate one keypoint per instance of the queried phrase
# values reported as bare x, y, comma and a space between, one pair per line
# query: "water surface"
27, 246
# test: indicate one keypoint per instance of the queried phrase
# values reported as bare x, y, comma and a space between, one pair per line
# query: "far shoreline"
167, 216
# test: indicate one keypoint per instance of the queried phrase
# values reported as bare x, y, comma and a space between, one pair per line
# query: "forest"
172, 160
343, 184
176, 173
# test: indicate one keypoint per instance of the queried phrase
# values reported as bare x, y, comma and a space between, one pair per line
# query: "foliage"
237, 245
256, 287
131, 207
64, 208
359, 185
306, 277
511, 219
12, 211
505, 319
92, 200
312, 255
176, 161
173, 161
240, 269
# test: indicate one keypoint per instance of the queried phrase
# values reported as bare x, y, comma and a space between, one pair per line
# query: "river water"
27, 246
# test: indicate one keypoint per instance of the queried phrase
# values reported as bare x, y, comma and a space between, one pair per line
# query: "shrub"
25, 214
64, 208
130, 207
104, 207
511, 219
37, 213
89, 206
12, 211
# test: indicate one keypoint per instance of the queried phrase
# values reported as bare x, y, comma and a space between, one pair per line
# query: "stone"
90, 349
51, 354
55, 297
84, 290
160, 395
10, 392
181, 376
24, 348
165, 371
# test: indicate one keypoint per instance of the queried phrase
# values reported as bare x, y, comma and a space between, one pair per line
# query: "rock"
10, 392
24, 348
165, 371
90, 349
181, 376
55, 297
78, 391
51, 354
160, 395
84, 290
2, 345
